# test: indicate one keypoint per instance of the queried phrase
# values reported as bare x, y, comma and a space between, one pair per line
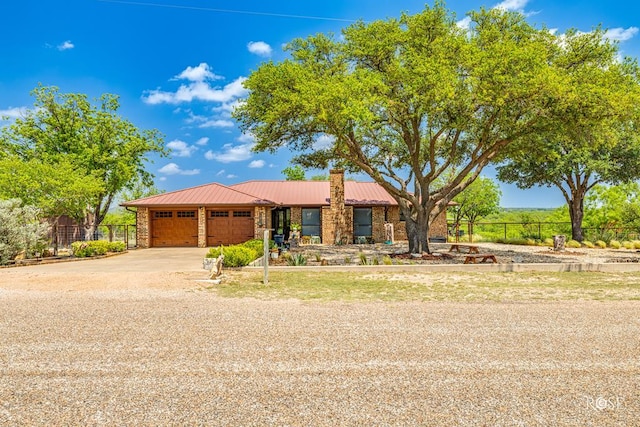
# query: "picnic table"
473, 258
457, 247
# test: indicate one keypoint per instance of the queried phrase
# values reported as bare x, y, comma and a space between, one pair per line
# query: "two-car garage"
179, 227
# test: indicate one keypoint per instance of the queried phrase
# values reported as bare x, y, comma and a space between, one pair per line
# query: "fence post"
505, 231
539, 231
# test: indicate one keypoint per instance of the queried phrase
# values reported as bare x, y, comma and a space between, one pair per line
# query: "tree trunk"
576, 213
417, 234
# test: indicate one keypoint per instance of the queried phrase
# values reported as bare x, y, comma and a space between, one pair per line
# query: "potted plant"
274, 251
295, 230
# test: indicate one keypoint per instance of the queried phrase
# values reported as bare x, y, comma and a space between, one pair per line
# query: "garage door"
174, 228
229, 227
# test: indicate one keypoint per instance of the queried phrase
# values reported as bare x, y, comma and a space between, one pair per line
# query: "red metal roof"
316, 193
203, 195
286, 193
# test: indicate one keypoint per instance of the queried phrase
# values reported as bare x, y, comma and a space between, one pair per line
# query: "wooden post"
265, 259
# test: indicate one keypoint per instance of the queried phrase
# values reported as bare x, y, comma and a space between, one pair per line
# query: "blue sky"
178, 65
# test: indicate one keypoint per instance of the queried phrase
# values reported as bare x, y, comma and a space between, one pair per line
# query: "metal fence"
492, 231
65, 235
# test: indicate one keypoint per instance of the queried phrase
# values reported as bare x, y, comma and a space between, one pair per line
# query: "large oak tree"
89, 149
594, 134
407, 101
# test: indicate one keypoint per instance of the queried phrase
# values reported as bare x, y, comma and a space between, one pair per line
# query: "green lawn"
339, 286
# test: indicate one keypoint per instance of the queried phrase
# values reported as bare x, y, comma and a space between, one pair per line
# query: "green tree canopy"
406, 101
294, 173
479, 199
92, 143
594, 138
56, 189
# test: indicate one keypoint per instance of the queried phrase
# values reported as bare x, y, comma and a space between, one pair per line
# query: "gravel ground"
152, 349
173, 357
505, 254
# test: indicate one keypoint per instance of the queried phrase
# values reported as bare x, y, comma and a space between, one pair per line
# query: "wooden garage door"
174, 228
229, 226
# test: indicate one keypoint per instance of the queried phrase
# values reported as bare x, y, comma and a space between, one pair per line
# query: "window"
186, 214
242, 214
311, 222
219, 214
163, 214
362, 222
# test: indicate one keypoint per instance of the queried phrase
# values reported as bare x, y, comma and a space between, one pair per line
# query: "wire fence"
65, 235
495, 231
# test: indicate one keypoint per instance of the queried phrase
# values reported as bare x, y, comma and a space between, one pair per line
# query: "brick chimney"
336, 205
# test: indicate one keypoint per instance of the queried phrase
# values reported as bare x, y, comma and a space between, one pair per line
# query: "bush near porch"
96, 248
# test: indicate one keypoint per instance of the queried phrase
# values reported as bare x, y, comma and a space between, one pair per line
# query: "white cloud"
464, 23
247, 138
174, 169
231, 176
222, 172
515, 5
181, 148
197, 74
202, 141
257, 164
217, 123
66, 45
259, 48
13, 113
621, 34
323, 142
199, 90
227, 108
231, 153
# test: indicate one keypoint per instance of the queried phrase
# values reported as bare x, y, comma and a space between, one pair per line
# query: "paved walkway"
137, 260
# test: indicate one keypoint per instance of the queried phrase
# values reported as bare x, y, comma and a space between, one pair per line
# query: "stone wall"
261, 221
142, 227
340, 224
328, 221
438, 227
202, 227
378, 221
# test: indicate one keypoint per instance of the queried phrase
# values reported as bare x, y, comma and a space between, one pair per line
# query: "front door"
281, 221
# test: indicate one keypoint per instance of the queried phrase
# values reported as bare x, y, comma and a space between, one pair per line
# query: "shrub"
257, 245
214, 252
297, 260
95, 248
387, 260
588, 244
548, 242
627, 244
238, 256
636, 244
20, 230
614, 244
524, 242
573, 244
601, 244
363, 259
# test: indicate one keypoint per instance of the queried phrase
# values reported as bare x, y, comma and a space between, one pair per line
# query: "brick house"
214, 214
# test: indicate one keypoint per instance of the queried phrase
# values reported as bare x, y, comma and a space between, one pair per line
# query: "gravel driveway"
149, 348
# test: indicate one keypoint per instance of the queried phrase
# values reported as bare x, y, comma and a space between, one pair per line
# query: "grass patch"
346, 286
